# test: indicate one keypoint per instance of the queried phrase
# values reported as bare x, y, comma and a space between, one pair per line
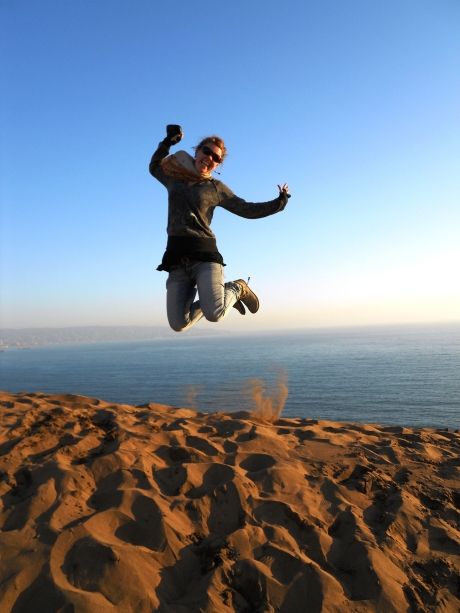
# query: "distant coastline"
26, 338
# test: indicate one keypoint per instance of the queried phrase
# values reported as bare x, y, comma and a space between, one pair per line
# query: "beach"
116, 507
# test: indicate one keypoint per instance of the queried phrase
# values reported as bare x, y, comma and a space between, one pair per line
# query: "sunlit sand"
110, 507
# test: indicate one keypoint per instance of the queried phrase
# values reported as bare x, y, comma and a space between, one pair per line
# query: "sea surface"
405, 375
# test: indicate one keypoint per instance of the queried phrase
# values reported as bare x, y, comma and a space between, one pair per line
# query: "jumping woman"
191, 258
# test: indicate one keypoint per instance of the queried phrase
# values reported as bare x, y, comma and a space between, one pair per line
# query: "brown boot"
247, 296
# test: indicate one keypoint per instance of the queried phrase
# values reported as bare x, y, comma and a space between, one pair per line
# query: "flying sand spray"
267, 401
269, 404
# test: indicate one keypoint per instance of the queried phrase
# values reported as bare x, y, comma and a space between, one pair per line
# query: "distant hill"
33, 337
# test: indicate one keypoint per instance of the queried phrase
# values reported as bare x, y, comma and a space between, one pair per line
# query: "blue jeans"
216, 298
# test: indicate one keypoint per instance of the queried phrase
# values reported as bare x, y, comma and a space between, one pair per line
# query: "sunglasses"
207, 151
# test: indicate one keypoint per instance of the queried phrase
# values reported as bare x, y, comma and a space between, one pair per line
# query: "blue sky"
355, 104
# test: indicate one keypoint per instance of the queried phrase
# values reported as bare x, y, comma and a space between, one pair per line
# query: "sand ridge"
112, 507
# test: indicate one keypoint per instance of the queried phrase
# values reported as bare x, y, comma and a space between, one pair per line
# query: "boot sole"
239, 306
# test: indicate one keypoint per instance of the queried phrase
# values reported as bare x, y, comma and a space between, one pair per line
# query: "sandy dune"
110, 507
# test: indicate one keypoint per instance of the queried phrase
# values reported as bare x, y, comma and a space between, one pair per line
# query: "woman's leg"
216, 298
180, 294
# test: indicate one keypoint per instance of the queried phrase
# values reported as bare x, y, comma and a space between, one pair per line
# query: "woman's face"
207, 158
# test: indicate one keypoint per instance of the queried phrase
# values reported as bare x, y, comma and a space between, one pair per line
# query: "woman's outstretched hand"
174, 133
284, 189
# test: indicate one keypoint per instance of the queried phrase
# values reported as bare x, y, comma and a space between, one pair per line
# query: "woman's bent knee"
177, 329
179, 326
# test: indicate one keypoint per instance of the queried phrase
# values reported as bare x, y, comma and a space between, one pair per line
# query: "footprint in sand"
214, 476
171, 479
201, 444
146, 529
349, 555
86, 563
257, 461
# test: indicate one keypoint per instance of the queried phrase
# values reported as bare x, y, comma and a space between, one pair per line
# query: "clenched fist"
174, 133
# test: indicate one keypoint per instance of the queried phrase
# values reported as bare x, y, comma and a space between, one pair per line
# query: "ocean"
401, 375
